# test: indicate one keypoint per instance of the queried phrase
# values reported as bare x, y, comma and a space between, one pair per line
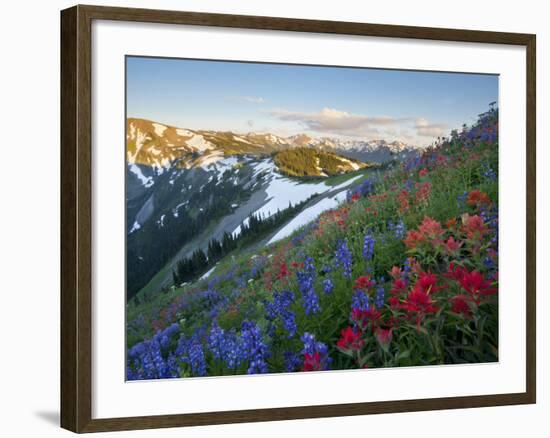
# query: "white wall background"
29, 216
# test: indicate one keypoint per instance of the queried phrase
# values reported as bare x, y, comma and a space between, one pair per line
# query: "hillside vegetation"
304, 161
404, 273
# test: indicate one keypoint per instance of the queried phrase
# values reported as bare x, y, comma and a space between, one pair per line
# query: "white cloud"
330, 120
252, 99
427, 129
333, 122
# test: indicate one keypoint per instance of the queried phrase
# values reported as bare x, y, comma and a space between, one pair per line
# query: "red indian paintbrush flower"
283, 271
455, 272
395, 272
364, 282
419, 301
420, 304
473, 226
423, 193
429, 231
459, 305
403, 199
430, 228
384, 336
399, 288
477, 198
452, 246
312, 362
477, 286
426, 283
414, 239
363, 317
350, 340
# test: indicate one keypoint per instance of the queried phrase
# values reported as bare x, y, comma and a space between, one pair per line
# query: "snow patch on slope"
147, 181
307, 215
184, 132
242, 140
159, 129
135, 227
141, 138
208, 274
281, 190
198, 142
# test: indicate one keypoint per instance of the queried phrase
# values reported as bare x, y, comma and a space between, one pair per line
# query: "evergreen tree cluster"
305, 161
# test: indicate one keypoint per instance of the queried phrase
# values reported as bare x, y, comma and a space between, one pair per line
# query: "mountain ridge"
162, 146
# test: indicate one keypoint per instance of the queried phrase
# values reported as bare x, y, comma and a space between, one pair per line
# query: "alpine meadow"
292, 218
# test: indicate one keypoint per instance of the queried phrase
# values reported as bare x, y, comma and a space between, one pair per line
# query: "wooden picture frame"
76, 217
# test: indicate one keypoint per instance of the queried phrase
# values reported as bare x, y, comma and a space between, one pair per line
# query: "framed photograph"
270, 218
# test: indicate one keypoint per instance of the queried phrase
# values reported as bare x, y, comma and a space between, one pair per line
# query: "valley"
186, 189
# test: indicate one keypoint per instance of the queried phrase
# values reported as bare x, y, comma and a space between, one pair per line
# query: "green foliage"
305, 161
246, 280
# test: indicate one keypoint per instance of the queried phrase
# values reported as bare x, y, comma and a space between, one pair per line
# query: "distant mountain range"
162, 146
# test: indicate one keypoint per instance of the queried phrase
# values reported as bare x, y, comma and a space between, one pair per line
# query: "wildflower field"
404, 273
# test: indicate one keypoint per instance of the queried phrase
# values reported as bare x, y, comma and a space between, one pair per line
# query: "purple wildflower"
343, 258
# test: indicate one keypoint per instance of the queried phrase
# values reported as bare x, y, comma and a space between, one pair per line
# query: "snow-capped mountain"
377, 151
162, 146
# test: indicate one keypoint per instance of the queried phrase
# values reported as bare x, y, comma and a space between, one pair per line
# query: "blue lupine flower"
137, 350
232, 356
289, 323
307, 289
407, 267
196, 359
368, 247
488, 172
490, 218
343, 258
216, 340
292, 361
398, 229
190, 351
360, 300
309, 343
413, 163
328, 286
279, 308
271, 310
308, 264
146, 360
311, 347
254, 348
306, 280
224, 346
164, 341
489, 263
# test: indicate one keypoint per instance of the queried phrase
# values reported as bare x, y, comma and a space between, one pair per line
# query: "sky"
352, 103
